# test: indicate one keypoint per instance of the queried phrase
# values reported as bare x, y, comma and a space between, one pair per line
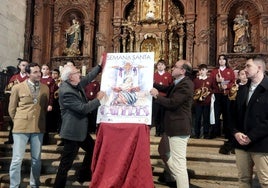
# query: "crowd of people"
214, 104
35, 109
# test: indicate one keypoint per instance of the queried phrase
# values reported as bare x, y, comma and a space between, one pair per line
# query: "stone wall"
12, 29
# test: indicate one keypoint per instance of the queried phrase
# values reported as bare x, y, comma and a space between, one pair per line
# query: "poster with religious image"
127, 79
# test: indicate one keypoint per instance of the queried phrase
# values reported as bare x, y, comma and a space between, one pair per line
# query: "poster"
127, 79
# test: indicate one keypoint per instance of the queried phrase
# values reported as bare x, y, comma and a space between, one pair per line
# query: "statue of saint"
151, 8
73, 38
242, 35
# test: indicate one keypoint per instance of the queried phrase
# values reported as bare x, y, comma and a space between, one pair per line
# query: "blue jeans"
19, 146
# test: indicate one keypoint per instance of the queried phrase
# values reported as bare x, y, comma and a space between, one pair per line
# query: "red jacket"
229, 77
50, 82
92, 89
198, 84
164, 79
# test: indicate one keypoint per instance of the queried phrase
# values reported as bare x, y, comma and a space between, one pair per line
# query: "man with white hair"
249, 124
74, 129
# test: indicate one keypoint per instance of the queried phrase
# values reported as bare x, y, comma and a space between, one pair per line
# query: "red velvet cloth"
121, 157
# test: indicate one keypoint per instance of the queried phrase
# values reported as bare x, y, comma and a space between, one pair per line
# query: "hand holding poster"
127, 79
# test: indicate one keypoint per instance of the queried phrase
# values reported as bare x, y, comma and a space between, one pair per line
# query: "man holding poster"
177, 120
122, 149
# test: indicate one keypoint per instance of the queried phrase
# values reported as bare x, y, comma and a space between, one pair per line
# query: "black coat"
178, 104
252, 118
75, 108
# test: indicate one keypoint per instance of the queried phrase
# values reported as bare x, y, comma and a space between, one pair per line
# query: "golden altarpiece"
196, 30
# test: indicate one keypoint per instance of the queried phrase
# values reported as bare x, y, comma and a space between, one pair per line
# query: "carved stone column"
202, 31
170, 59
190, 39
117, 21
222, 34
37, 41
264, 34
56, 40
28, 30
103, 28
124, 39
138, 41
163, 47
181, 34
131, 41
88, 35
116, 39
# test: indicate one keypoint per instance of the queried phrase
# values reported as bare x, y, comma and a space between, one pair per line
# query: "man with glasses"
74, 129
178, 121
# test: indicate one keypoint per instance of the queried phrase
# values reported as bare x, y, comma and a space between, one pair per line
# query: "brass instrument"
197, 94
219, 80
201, 93
56, 94
10, 85
205, 92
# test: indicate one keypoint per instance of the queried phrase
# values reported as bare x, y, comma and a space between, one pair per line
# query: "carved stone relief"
203, 37
36, 42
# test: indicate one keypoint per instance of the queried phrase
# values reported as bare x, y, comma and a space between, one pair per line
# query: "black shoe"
82, 177
166, 178
8, 142
61, 143
226, 148
83, 174
212, 136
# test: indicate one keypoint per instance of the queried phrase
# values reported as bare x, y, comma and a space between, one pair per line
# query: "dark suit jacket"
252, 118
75, 108
178, 104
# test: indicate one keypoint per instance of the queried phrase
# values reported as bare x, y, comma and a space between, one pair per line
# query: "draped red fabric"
121, 157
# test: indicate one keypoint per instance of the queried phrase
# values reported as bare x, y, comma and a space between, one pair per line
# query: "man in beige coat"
27, 108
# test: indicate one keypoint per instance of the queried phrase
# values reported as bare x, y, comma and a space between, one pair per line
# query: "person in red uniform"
50, 82
202, 98
162, 78
16, 79
91, 92
223, 79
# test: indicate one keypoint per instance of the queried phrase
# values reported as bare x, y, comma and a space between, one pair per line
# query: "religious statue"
151, 8
242, 34
73, 38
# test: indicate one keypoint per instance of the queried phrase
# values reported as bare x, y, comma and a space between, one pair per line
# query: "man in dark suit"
74, 129
178, 120
250, 124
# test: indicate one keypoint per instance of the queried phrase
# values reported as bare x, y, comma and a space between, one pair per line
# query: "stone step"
208, 168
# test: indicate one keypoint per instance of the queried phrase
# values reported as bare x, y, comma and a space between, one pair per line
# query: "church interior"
196, 30
57, 31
